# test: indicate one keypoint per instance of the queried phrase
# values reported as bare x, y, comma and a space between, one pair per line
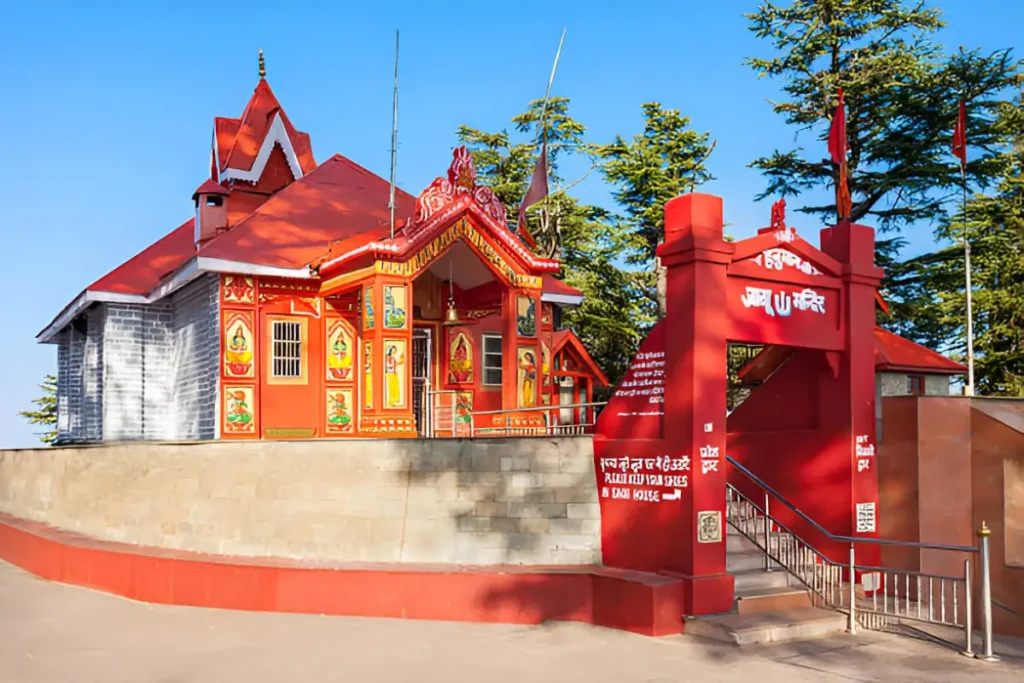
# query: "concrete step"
744, 560
772, 599
750, 580
767, 627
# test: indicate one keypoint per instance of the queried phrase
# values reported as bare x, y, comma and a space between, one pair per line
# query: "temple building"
289, 306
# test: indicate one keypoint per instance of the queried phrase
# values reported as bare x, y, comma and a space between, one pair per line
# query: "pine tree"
46, 410
666, 160
931, 304
901, 95
612, 319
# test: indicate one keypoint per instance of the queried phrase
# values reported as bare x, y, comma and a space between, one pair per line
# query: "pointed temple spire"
263, 65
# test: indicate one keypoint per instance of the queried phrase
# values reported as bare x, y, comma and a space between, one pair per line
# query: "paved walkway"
50, 632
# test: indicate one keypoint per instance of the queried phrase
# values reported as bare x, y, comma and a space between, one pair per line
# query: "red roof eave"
402, 248
564, 338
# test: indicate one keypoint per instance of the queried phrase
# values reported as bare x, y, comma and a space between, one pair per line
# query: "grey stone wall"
137, 372
92, 375
895, 384
131, 371
70, 354
530, 501
196, 347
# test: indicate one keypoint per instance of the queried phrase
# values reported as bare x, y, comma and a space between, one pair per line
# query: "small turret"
211, 211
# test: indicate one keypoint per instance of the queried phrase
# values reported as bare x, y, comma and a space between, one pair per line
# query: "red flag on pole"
837, 133
960, 138
537, 191
837, 149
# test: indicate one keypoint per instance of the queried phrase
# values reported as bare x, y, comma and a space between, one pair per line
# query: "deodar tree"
901, 94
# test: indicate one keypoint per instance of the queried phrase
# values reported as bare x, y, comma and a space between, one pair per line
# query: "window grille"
287, 349
492, 359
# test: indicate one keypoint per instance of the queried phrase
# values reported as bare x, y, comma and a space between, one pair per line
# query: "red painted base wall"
647, 604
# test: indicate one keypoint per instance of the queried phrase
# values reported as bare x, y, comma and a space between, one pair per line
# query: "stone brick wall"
196, 343
70, 354
92, 375
142, 372
488, 501
137, 372
895, 384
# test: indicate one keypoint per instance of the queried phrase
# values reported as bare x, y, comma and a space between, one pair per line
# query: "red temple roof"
143, 272
567, 339
557, 288
335, 208
338, 201
893, 353
239, 140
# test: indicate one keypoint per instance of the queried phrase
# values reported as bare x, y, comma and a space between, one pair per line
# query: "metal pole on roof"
394, 140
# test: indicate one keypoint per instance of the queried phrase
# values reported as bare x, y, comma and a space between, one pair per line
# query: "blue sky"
108, 108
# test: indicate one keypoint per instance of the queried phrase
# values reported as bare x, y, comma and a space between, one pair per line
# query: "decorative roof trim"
181, 277
276, 133
215, 153
562, 299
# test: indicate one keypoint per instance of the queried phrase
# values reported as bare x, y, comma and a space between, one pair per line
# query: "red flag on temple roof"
537, 191
960, 138
837, 133
837, 148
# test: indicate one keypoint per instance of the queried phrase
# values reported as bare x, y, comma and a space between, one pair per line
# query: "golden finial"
984, 530
263, 65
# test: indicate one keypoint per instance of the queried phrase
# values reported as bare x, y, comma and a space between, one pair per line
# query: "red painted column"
853, 402
510, 361
696, 257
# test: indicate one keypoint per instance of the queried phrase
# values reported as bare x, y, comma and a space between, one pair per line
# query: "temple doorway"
422, 353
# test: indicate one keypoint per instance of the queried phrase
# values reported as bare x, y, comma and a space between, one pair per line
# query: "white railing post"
986, 597
453, 416
767, 536
852, 626
968, 606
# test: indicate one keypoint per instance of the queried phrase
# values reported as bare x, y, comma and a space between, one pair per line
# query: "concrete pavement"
50, 632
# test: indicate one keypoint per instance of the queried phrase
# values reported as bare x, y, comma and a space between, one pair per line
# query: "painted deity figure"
392, 367
394, 313
238, 412
340, 361
339, 416
463, 409
460, 363
238, 354
368, 377
528, 364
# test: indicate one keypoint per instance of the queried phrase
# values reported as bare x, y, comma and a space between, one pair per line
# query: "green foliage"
612, 319
661, 163
666, 160
901, 96
930, 304
45, 413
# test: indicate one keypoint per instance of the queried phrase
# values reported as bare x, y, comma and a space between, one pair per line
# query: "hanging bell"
452, 316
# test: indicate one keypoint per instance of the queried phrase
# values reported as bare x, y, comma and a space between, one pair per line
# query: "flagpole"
967, 290
543, 118
547, 93
394, 140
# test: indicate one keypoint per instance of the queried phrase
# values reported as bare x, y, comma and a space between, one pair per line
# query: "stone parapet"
530, 501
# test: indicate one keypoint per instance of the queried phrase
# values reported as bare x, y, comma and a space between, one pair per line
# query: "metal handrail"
537, 409
845, 539
824, 576
549, 428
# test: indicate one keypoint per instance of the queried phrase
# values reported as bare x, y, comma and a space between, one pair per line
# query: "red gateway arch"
661, 442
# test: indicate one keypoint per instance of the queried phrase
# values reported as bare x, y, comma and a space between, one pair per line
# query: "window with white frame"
492, 359
286, 349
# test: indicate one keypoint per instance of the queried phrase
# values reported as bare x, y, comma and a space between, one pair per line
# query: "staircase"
771, 605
